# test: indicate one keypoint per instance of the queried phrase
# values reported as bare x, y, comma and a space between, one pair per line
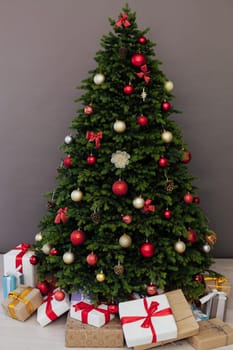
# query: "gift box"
51, 309
10, 282
198, 314
87, 313
80, 296
214, 304
78, 334
213, 333
147, 320
21, 303
185, 321
18, 259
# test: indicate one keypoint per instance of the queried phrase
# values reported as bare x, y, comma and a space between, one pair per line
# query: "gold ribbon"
17, 298
218, 281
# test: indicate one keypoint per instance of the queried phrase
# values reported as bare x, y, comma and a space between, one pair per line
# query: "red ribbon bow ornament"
61, 216
94, 137
123, 20
144, 73
148, 206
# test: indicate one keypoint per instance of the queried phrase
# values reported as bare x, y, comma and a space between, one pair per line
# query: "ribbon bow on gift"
94, 137
49, 310
23, 247
218, 281
123, 20
17, 298
144, 73
86, 308
151, 312
148, 206
61, 216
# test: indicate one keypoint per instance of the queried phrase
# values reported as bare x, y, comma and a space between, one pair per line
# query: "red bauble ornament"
151, 289
127, 219
54, 251
59, 295
120, 188
43, 287
142, 120
67, 161
147, 249
128, 89
113, 308
91, 159
88, 110
34, 260
138, 59
192, 236
91, 259
196, 200
198, 278
186, 157
188, 198
77, 237
165, 106
167, 214
163, 162
142, 40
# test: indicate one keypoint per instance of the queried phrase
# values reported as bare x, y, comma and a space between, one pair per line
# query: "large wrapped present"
22, 302
78, 334
51, 308
147, 320
18, 259
185, 320
88, 313
214, 304
213, 334
10, 282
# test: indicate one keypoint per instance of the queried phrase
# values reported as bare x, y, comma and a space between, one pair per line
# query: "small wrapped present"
78, 334
87, 313
22, 302
80, 296
214, 304
10, 282
213, 334
219, 283
18, 259
51, 308
198, 314
147, 320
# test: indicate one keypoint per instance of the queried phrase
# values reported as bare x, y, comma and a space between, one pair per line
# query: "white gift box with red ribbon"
147, 320
18, 259
87, 313
51, 309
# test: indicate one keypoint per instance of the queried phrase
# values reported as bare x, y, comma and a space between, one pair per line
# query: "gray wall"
48, 46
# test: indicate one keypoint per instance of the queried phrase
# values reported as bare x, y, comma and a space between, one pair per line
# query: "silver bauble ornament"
76, 195
119, 126
46, 248
168, 86
206, 248
68, 139
68, 257
138, 202
125, 241
167, 136
179, 246
99, 78
38, 237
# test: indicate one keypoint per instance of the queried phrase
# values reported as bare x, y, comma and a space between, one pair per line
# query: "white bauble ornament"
125, 241
167, 136
38, 237
68, 257
98, 79
46, 248
206, 248
138, 202
179, 246
169, 86
68, 139
119, 126
76, 195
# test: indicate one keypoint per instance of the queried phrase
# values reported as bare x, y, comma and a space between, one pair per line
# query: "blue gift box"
9, 282
80, 296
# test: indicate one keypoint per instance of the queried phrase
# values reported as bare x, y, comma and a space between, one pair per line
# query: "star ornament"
143, 95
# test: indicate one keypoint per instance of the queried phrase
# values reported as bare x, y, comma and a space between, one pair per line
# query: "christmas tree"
125, 215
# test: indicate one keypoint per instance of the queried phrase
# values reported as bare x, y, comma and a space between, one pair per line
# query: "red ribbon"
148, 206
151, 312
19, 257
144, 73
123, 20
86, 308
61, 216
94, 137
49, 310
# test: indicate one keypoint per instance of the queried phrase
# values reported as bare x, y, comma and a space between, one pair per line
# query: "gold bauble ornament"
211, 237
46, 248
166, 136
168, 86
138, 202
179, 246
38, 237
119, 126
125, 241
100, 276
68, 258
76, 195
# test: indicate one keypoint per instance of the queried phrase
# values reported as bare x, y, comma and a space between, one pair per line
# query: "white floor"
29, 335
